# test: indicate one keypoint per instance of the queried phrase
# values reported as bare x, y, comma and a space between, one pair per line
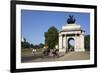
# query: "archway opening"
71, 44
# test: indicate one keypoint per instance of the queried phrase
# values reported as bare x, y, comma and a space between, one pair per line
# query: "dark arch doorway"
71, 44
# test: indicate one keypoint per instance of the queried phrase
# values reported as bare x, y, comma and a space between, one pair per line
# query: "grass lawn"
28, 52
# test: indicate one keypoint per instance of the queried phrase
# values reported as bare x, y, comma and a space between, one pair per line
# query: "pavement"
67, 57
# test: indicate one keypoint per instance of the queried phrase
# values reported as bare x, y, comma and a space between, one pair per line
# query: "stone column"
82, 42
60, 41
64, 42
78, 42
77, 38
75, 48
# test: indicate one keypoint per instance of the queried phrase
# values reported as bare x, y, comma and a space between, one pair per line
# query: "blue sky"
35, 23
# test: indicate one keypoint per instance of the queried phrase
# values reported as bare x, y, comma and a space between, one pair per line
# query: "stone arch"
71, 30
77, 35
71, 47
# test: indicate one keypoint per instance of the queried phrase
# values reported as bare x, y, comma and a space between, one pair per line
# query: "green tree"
70, 46
25, 44
24, 39
51, 37
87, 42
41, 45
31, 45
36, 47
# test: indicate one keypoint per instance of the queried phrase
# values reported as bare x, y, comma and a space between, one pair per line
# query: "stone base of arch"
78, 50
64, 50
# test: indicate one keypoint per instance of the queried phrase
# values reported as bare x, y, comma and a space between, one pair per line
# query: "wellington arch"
71, 31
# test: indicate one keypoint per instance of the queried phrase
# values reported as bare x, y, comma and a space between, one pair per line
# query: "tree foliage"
41, 45
87, 42
51, 37
70, 46
31, 45
25, 44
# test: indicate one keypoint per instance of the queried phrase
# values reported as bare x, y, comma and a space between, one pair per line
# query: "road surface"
67, 57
